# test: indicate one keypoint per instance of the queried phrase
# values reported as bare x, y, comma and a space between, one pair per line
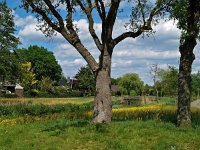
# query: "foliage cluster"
132, 83
195, 85
54, 92
8, 44
44, 63
168, 81
85, 81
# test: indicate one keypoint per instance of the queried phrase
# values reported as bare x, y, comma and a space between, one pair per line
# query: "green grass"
49, 101
168, 101
54, 124
80, 134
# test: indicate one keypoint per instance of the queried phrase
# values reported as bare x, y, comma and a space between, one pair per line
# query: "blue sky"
131, 55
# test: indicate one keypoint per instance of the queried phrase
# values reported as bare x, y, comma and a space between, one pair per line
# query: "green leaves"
7, 39
131, 82
27, 75
8, 44
43, 62
85, 80
168, 81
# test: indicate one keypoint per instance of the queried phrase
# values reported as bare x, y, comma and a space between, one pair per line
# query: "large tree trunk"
102, 100
184, 84
188, 42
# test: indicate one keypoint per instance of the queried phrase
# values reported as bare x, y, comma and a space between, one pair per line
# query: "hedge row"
40, 109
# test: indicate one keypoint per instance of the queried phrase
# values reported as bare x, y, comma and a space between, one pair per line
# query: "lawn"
62, 134
57, 124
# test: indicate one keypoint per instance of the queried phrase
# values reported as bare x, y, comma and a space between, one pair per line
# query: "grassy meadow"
57, 124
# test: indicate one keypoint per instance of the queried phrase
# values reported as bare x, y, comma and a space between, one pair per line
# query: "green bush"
133, 93
33, 93
74, 93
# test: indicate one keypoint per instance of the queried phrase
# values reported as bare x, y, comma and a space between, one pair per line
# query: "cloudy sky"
131, 55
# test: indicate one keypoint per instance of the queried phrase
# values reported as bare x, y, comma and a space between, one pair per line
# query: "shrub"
74, 93
133, 93
33, 92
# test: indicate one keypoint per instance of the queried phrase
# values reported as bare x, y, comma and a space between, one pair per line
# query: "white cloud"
25, 21
75, 62
148, 53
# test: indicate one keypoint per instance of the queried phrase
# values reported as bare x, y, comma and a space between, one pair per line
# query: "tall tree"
187, 12
27, 76
143, 13
85, 80
44, 63
8, 43
131, 81
154, 69
195, 84
168, 79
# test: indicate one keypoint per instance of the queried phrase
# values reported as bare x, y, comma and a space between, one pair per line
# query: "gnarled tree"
143, 13
187, 12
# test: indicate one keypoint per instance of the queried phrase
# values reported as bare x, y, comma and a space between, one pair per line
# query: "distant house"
13, 88
115, 89
63, 82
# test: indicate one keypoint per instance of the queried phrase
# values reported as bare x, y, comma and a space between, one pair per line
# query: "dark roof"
11, 85
115, 88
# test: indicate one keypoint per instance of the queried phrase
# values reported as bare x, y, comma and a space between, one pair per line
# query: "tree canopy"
27, 76
85, 80
44, 63
168, 79
196, 84
131, 82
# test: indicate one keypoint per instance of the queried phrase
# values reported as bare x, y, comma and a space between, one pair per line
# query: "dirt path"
196, 104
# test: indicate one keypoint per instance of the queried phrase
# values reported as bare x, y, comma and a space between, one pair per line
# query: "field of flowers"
31, 110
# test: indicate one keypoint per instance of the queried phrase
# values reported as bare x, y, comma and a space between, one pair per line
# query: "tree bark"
187, 44
102, 100
184, 83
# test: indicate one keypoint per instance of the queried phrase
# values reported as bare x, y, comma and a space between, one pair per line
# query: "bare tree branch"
44, 16
146, 24
98, 9
142, 11
112, 14
87, 11
126, 35
55, 13
103, 10
69, 22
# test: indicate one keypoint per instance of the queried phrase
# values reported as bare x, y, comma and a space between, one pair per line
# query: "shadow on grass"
61, 125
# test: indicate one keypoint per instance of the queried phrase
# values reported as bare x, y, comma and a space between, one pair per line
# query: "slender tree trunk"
184, 84
102, 100
157, 95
